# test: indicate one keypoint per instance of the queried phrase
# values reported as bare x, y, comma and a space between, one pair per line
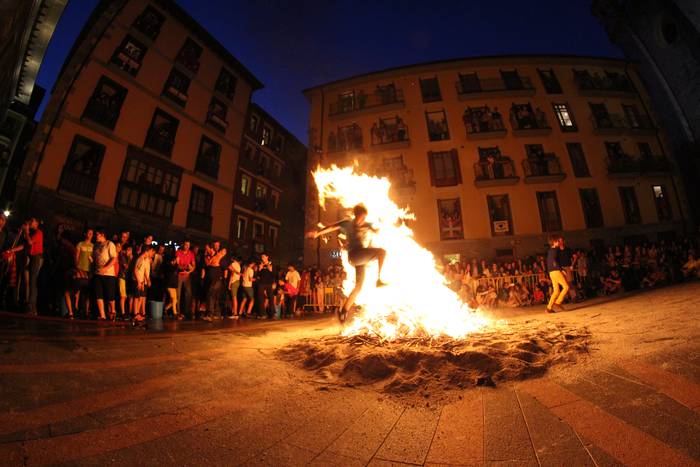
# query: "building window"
492, 165
482, 119
216, 115
258, 230
149, 22
437, 125
129, 55
260, 191
522, 117
549, 81
450, 218
226, 84
253, 124
189, 55
396, 170
161, 133
279, 144
430, 89
245, 185
275, 196
273, 235
148, 187
592, 213
578, 160
208, 157
82, 169
248, 152
176, 87
444, 168
549, 211
349, 139
389, 130
630, 207
276, 169
266, 138
106, 103
644, 150
564, 117
263, 165
199, 213
511, 79
500, 215
663, 207
241, 225
468, 83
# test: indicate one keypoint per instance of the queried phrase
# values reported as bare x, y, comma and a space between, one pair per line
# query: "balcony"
543, 169
641, 124
217, 121
199, 221
608, 124
485, 128
387, 137
495, 173
597, 86
652, 165
480, 88
623, 166
360, 103
78, 183
532, 124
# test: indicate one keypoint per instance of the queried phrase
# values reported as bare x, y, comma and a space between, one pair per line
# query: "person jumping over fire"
356, 231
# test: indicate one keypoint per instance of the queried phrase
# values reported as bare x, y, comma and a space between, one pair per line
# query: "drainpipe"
320, 161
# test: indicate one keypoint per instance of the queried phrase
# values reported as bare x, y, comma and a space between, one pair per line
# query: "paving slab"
364, 436
459, 438
409, 441
505, 433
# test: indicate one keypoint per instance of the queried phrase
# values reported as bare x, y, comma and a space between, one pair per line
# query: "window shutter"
431, 165
455, 161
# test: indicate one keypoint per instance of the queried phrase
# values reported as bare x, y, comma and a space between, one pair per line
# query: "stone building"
493, 154
143, 128
662, 37
268, 211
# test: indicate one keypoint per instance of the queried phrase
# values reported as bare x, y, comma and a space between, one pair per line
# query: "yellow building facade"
494, 154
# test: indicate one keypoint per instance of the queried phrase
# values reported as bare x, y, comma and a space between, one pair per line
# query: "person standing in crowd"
84, 266
66, 268
248, 292
34, 247
265, 282
214, 277
234, 282
566, 263
560, 287
185, 265
142, 279
104, 259
292, 280
170, 275
126, 258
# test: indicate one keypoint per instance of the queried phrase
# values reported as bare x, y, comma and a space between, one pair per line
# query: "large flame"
416, 302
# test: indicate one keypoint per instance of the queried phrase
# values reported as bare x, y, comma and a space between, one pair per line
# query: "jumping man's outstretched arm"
324, 231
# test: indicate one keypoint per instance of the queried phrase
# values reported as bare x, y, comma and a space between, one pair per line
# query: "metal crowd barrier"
331, 298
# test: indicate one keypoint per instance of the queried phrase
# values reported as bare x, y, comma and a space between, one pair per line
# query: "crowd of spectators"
590, 272
100, 275
109, 277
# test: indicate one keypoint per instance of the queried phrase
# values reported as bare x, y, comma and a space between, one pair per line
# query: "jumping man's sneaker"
342, 315
549, 310
559, 307
380, 283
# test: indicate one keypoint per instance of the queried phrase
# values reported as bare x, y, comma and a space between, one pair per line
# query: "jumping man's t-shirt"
357, 235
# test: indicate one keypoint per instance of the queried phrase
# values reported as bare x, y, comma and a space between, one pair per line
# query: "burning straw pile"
432, 365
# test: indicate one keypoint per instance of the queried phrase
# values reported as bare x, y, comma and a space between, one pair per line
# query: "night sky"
291, 45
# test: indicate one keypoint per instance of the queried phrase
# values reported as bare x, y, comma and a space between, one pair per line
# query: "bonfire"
416, 303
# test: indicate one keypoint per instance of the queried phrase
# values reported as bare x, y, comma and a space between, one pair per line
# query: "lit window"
266, 136
273, 235
245, 185
564, 117
260, 191
663, 207
241, 224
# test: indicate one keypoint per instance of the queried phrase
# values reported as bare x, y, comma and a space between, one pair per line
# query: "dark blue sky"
292, 45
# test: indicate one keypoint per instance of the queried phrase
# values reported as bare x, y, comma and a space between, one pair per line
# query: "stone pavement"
73, 396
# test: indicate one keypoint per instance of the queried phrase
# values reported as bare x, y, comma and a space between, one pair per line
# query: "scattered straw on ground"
429, 367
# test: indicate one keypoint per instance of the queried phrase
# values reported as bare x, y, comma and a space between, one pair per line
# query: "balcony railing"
393, 137
492, 127
545, 168
608, 123
217, 121
467, 89
160, 142
596, 85
532, 124
641, 123
623, 165
199, 221
361, 101
498, 172
78, 184
654, 163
